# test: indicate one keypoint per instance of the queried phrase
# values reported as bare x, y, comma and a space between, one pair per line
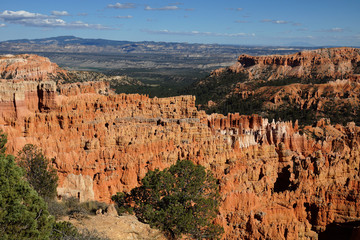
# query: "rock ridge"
333, 63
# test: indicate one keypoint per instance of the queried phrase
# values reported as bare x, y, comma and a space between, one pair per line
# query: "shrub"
39, 173
64, 230
3, 141
93, 206
57, 209
182, 199
121, 203
75, 209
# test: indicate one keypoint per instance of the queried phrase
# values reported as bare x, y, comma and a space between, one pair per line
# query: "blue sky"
250, 22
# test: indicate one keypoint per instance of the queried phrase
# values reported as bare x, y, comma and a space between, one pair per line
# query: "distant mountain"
72, 44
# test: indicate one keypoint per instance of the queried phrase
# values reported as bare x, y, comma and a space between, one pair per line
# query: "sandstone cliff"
330, 63
276, 181
28, 67
306, 86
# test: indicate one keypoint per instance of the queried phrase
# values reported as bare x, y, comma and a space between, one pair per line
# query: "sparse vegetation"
64, 230
216, 87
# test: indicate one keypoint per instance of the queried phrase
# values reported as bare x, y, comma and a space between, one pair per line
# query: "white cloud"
275, 21
124, 17
121, 5
2, 25
197, 33
40, 20
166, 8
60, 13
16, 15
336, 29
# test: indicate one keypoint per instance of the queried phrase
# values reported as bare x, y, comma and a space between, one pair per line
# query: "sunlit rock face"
276, 181
334, 63
28, 67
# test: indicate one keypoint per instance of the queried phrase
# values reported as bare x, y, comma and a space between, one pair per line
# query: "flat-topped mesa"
333, 63
29, 67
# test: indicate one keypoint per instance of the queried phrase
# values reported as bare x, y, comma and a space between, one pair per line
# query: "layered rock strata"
28, 67
332, 63
276, 181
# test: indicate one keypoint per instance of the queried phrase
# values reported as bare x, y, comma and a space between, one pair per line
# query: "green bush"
57, 209
38, 171
23, 214
64, 230
3, 141
182, 199
121, 203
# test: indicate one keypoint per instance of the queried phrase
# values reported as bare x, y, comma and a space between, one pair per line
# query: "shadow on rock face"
345, 231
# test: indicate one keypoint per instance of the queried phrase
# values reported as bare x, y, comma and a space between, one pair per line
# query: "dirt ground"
118, 227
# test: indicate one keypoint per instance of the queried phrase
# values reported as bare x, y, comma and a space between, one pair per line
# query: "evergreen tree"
38, 171
182, 199
23, 214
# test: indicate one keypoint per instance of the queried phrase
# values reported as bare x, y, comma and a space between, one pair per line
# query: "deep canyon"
277, 180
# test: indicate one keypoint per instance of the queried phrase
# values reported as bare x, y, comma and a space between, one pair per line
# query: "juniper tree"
182, 199
38, 171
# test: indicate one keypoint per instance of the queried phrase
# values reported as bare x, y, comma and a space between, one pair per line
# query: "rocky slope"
276, 181
117, 227
306, 86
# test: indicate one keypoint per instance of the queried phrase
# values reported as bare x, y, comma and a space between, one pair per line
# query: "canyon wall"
332, 63
276, 181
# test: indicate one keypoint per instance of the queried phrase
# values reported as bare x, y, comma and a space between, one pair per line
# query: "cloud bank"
121, 5
166, 8
40, 20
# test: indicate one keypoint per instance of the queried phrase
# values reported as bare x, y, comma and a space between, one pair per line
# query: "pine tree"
38, 171
23, 214
182, 199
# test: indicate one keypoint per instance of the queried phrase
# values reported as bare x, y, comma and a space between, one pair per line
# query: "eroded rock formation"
28, 67
306, 86
276, 181
333, 63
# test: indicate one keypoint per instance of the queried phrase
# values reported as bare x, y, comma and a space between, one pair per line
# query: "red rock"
28, 67
275, 183
331, 63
